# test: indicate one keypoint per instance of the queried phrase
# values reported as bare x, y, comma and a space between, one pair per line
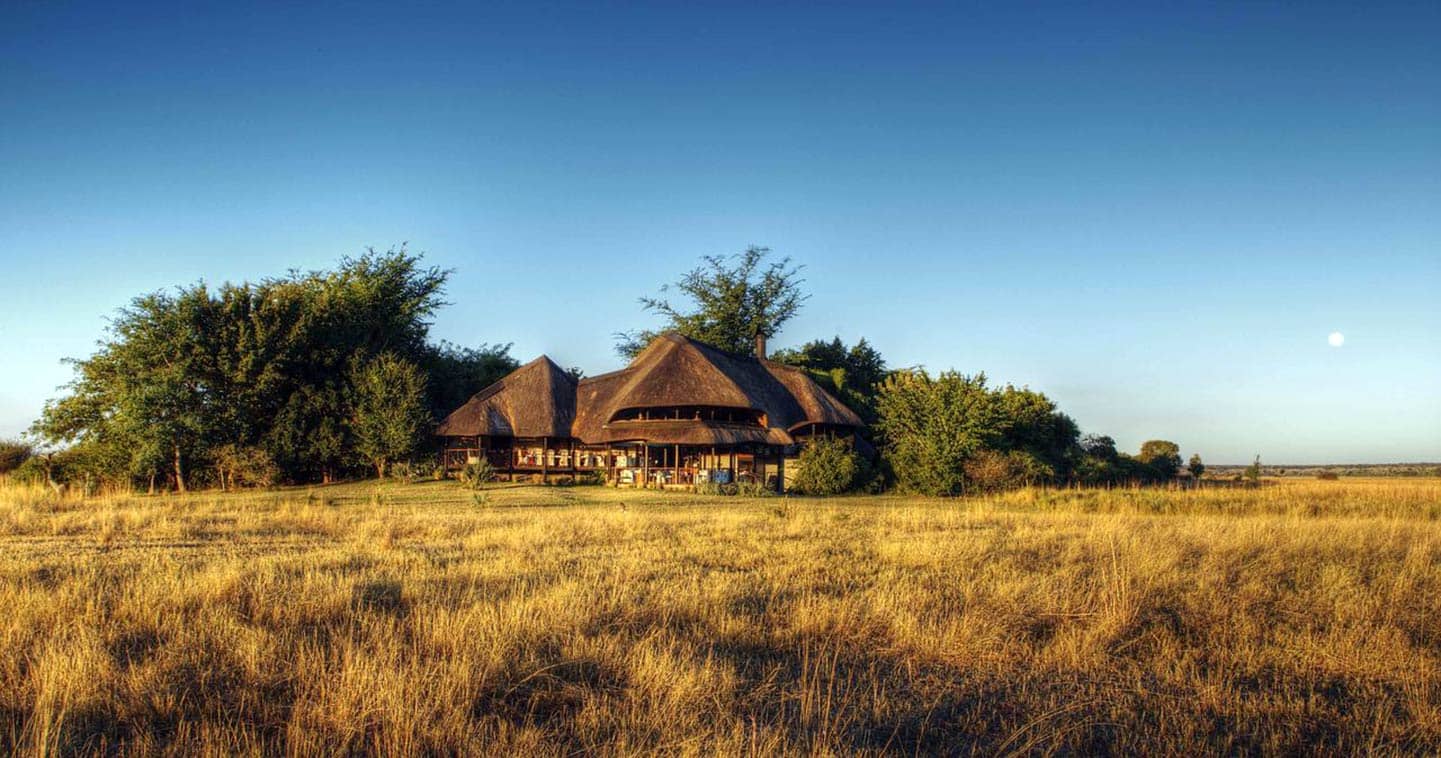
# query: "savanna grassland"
419, 619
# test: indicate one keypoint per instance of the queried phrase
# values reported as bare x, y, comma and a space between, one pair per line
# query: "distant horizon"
1218, 225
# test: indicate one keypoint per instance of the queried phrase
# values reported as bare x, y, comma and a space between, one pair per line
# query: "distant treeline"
1339, 469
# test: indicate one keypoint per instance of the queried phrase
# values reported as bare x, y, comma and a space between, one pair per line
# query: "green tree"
932, 426
145, 396
1196, 466
736, 303
1030, 423
1162, 456
389, 412
942, 435
187, 382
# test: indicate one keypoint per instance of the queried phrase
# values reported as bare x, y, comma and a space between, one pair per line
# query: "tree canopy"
256, 369
947, 434
733, 301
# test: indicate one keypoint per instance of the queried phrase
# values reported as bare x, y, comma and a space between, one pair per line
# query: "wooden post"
544, 464
644, 464
675, 464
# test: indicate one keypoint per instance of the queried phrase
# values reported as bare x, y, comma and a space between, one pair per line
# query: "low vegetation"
434, 618
829, 466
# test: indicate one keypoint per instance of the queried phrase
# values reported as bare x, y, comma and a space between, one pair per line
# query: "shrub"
752, 489
414, 471
1253, 472
716, 489
33, 471
85, 468
13, 453
1328, 476
474, 475
827, 466
245, 466
993, 470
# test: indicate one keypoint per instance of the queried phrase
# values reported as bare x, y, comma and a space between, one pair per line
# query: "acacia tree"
737, 302
389, 410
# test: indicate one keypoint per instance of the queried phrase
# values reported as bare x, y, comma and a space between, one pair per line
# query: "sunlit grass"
406, 619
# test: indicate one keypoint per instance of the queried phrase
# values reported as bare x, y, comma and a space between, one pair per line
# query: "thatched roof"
535, 400
673, 371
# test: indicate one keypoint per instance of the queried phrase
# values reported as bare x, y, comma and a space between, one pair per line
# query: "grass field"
403, 619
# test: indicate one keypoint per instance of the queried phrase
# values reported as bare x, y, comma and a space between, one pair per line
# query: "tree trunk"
380, 468
179, 472
152, 481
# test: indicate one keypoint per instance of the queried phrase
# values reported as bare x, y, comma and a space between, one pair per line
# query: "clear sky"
1154, 216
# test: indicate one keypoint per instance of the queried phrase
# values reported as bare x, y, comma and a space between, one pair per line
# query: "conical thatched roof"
673, 371
535, 400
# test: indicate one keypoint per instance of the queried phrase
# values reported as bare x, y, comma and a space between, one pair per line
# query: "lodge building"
681, 413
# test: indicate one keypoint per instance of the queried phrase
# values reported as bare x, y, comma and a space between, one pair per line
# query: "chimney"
761, 346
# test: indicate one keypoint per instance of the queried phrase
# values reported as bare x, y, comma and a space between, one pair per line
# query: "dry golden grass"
406, 619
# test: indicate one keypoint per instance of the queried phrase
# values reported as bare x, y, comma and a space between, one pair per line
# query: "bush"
993, 470
1328, 476
729, 489
827, 466
474, 475
752, 489
84, 468
32, 471
13, 453
244, 466
411, 472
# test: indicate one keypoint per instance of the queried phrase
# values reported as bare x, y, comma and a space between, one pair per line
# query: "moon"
1336, 339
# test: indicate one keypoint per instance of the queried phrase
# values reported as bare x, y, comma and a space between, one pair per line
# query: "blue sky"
1154, 216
